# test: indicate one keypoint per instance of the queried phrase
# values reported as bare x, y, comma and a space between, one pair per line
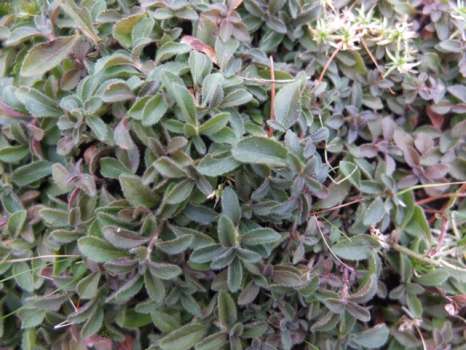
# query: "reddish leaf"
122, 137
200, 46
127, 344
234, 4
98, 342
460, 299
7, 110
435, 118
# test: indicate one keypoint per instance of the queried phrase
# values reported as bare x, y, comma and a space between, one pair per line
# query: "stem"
443, 233
153, 240
357, 200
272, 96
417, 256
267, 81
39, 257
329, 248
327, 64
441, 196
417, 187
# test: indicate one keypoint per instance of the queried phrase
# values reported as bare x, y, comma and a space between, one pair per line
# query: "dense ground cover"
283, 174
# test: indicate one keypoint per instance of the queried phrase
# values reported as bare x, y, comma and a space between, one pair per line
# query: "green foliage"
238, 174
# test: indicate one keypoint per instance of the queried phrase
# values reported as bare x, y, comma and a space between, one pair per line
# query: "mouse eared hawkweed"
232, 174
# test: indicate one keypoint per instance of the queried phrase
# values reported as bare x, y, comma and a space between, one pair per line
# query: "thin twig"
381, 72
328, 246
443, 233
272, 96
424, 345
433, 185
358, 200
401, 249
372, 57
153, 240
327, 64
39, 257
268, 81
441, 196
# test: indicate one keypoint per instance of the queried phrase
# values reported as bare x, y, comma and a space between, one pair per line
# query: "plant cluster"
239, 174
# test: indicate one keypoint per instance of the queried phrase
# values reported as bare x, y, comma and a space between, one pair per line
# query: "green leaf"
99, 250
214, 124
336, 194
99, 128
176, 245
154, 110
227, 232
116, 91
236, 98
38, 104
372, 338
415, 306
81, 18
112, 168
287, 107
168, 168
87, 287
351, 172
113, 60
260, 236
184, 338
214, 341
230, 205
93, 323
166, 322
212, 90
122, 30
200, 65
30, 318
407, 199
179, 192
154, 287
136, 192
124, 239
453, 46
164, 271
54, 217
128, 290
287, 276
170, 49
433, 278
13, 154
136, 110
374, 212
32, 172
29, 339
21, 34
134, 320
235, 275
227, 313
260, 150
205, 254
182, 97
45, 56
359, 312
419, 223
23, 276
357, 248
16, 222
214, 165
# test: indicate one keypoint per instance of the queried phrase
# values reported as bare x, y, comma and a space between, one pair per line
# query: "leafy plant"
233, 174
